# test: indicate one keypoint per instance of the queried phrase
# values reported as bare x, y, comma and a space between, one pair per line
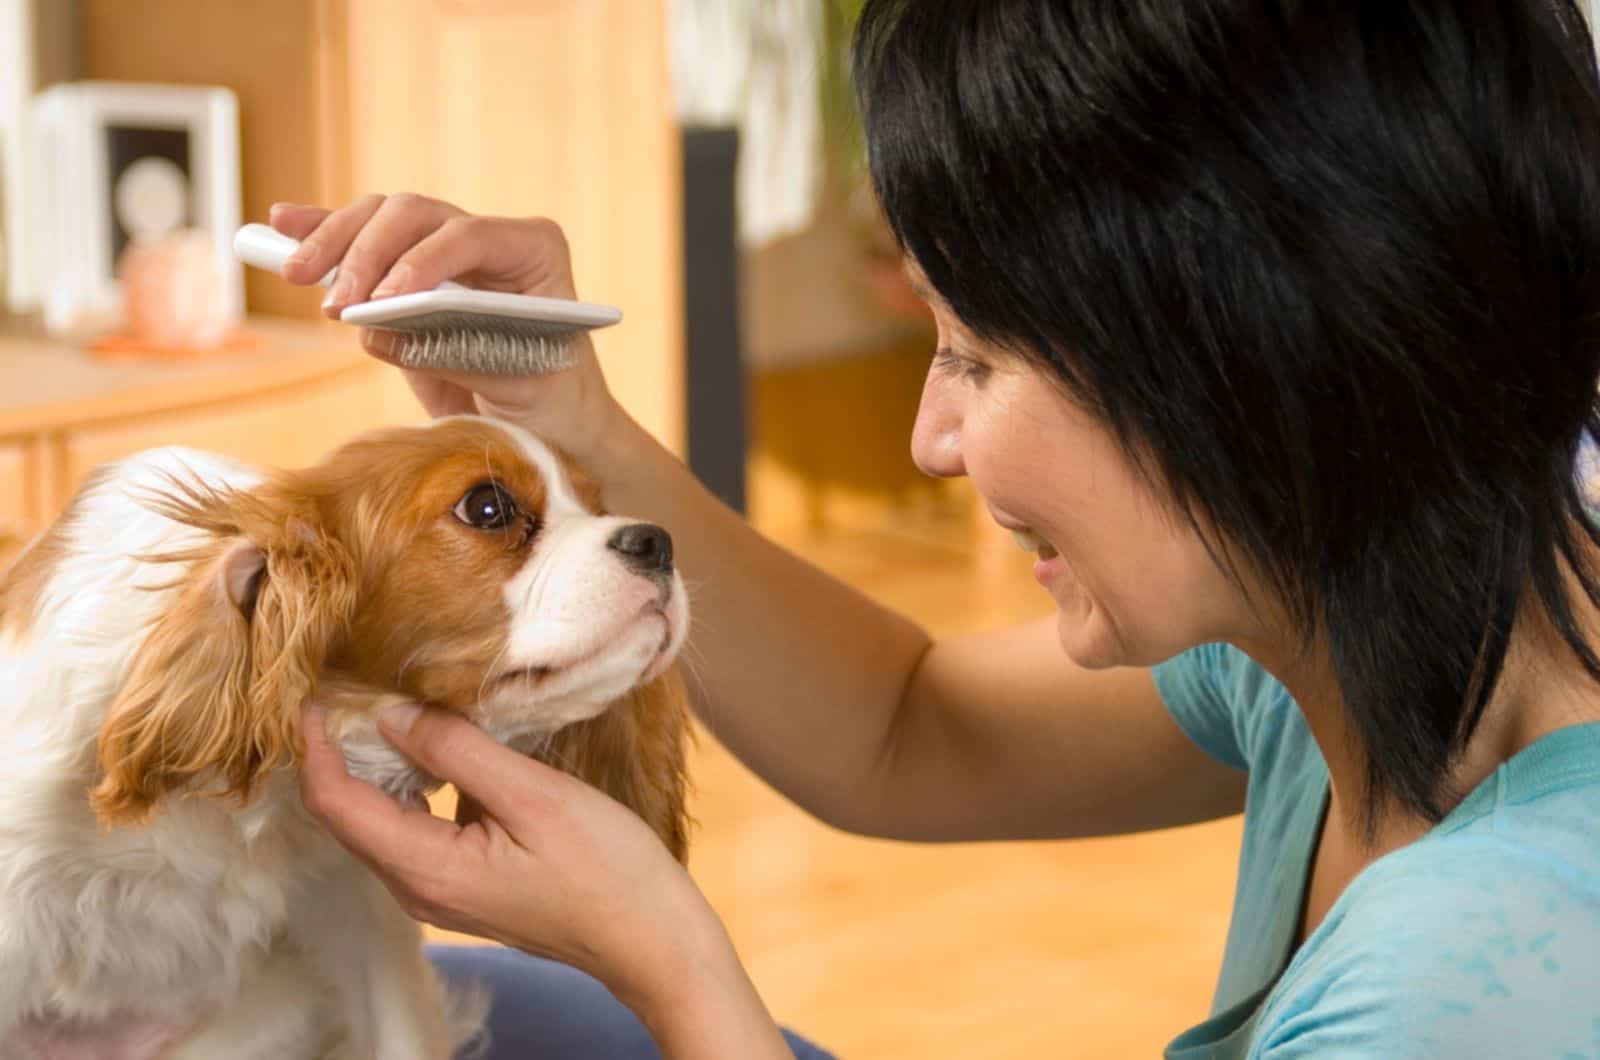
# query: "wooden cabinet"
16, 504
559, 108
287, 427
306, 389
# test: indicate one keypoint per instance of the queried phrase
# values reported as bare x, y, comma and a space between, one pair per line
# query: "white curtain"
752, 65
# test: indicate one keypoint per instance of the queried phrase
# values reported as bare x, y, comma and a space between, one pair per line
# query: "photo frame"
119, 161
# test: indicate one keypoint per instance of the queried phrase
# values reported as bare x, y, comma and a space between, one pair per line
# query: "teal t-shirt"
1482, 939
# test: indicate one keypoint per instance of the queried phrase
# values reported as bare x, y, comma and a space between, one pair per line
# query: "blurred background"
704, 161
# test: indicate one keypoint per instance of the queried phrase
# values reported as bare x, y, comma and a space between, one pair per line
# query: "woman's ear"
635, 752
211, 702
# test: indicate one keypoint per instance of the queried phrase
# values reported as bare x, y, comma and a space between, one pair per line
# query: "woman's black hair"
1329, 271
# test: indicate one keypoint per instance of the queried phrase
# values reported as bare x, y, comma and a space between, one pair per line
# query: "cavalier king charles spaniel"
163, 891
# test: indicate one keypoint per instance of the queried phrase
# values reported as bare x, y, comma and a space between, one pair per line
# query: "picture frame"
113, 162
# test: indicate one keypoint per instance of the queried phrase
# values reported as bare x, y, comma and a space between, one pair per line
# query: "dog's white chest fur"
212, 930
156, 649
174, 922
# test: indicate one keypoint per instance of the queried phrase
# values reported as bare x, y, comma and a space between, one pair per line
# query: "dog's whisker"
410, 660
492, 669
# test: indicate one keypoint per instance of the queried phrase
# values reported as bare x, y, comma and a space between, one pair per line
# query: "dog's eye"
486, 506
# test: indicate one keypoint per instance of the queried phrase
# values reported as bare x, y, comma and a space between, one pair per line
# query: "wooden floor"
878, 950
1088, 948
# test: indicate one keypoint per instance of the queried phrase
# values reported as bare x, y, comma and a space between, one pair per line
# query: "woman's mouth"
1029, 541
1049, 565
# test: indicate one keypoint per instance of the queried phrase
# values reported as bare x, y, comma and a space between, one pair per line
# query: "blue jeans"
541, 1010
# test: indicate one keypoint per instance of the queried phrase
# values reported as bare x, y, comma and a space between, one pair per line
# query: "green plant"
841, 122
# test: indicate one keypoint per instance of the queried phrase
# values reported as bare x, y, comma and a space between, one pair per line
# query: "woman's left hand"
550, 865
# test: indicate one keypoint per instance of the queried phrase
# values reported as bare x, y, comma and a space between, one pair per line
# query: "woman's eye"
486, 507
953, 363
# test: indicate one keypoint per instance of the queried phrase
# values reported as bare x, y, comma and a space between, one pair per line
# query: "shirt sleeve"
1197, 688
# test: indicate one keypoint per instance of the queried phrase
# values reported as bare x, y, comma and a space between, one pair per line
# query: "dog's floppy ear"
211, 701
635, 752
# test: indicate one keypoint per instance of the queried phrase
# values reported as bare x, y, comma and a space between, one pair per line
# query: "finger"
500, 254
295, 219
500, 780
386, 346
364, 819
325, 245
393, 229
438, 397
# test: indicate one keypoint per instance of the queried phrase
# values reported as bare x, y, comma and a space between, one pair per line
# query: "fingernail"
399, 718
398, 278
339, 293
383, 343
301, 255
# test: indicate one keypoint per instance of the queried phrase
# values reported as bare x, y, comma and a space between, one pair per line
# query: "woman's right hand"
397, 244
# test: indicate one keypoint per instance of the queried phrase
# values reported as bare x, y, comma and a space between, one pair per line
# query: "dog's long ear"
211, 701
635, 752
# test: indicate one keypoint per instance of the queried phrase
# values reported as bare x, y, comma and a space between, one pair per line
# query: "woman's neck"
1542, 688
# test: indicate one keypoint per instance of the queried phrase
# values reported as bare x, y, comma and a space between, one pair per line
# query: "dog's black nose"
644, 546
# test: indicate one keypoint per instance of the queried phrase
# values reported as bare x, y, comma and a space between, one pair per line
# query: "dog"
163, 891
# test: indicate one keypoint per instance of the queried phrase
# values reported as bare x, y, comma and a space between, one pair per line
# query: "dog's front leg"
388, 1002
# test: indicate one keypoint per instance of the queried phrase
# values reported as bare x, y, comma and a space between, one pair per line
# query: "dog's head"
465, 565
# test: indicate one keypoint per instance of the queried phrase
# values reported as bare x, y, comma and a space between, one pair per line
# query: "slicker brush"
454, 327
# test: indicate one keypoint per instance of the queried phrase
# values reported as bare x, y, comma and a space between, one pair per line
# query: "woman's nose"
936, 436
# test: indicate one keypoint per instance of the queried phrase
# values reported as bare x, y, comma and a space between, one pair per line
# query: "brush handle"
267, 248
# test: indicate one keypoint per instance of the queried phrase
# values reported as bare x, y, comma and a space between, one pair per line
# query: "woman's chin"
1086, 641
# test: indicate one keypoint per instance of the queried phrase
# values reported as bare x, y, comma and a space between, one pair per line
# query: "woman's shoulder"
1228, 704
1480, 941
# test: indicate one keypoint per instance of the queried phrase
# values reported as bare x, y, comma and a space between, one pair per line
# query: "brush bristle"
492, 345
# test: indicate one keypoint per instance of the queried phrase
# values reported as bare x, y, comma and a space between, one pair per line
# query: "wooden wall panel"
556, 108
549, 107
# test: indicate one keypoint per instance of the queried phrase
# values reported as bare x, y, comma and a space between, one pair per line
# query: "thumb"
453, 749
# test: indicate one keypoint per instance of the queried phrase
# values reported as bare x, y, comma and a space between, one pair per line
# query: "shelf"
47, 385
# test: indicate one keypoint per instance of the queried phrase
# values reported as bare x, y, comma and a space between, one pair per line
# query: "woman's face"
1133, 585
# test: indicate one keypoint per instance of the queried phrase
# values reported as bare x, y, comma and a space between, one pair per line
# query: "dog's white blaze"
576, 608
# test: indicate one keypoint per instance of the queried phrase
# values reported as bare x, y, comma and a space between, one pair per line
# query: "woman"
1272, 327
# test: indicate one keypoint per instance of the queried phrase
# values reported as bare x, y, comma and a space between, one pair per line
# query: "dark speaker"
716, 383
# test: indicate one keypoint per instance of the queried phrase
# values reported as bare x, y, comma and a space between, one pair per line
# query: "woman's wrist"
701, 1002
682, 939
614, 442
